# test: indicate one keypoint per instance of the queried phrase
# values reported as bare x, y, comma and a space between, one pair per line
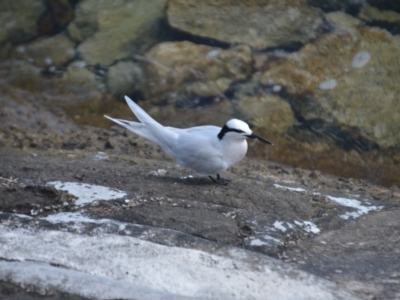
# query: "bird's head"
237, 129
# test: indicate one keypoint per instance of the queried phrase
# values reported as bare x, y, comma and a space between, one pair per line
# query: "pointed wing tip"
127, 99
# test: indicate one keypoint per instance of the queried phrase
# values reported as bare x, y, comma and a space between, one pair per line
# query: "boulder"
183, 71
18, 20
57, 51
124, 78
349, 78
114, 31
259, 24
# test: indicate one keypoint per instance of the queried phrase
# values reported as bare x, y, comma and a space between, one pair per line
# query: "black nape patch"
226, 129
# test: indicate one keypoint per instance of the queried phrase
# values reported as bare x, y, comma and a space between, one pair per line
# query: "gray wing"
198, 148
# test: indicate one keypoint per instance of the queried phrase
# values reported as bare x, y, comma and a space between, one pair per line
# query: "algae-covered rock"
18, 20
268, 112
57, 50
259, 24
387, 18
123, 78
117, 30
350, 78
180, 70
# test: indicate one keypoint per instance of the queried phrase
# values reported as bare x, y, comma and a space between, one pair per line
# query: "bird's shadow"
192, 181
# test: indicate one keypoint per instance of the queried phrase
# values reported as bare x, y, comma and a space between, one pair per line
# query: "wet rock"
57, 17
267, 112
384, 18
347, 78
18, 20
122, 29
124, 78
259, 24
78, 73
385, 4
56, 51
334, 5
183, 71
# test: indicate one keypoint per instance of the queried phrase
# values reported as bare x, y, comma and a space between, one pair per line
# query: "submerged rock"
18, 20
57, 51
364, 65
259, 24
183, 70
124, 78
386, 18
112, 31
268, 112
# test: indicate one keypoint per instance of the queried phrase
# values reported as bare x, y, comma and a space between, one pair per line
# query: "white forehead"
238, 124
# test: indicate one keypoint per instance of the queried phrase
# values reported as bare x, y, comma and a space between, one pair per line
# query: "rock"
342, 20
82, 27
385, 18
385, 4
57, 51
335, 5
268, 112
78, 73
124, 78
259, 24
349, 78
18, 20
56, 19
123, 28
177, 71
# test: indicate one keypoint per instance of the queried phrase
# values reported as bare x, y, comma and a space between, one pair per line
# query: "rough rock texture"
350, 78
123, 78
259, 24
266, 111
268, 210
57, 50
385, 18
18, 20
117, 35
180, 70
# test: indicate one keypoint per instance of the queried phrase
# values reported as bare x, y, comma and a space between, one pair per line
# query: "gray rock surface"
323, 225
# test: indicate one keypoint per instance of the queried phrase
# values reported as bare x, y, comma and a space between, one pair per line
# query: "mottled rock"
122, 29
18, 20
386, 18
183, 70
268, 112
77, 73
259, 24
57, 50
365, 65
341, 19
124, 78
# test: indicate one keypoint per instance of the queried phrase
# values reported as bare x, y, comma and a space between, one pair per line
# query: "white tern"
208, 150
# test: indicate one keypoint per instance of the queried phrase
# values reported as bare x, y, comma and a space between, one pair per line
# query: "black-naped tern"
208, 150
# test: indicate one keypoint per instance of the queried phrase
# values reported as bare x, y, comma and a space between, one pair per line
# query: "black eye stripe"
226, 129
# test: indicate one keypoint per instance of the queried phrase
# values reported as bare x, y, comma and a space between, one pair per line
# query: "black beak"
256, 137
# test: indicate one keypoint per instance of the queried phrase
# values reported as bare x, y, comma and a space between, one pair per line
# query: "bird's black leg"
219, 180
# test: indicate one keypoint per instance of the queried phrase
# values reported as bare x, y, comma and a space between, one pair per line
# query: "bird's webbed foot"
219, 180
